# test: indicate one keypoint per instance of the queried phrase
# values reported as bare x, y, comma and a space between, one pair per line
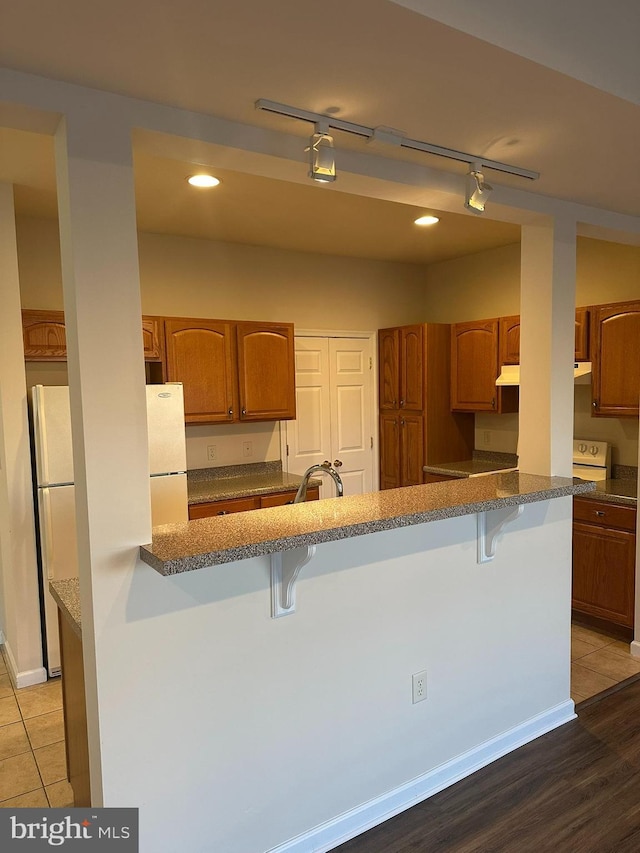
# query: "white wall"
254, 730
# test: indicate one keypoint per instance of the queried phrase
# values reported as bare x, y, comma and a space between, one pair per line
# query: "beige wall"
202, 278
189, 277
487, 284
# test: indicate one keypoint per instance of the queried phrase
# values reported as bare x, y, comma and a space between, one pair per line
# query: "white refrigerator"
55, 489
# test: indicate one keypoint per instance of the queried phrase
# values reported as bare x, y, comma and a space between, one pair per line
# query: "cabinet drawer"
605, 513
437, 478
283, 498
212, 508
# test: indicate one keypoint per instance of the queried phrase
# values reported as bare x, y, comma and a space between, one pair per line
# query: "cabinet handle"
244, 411
230, 413
402, 421
595, 404
599, 512
401, 404
493, 402
337, 463
223, 512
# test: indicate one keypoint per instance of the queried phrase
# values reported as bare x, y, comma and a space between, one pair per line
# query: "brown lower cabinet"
225, 507
401, 450
437, 478
75, 713
604, 555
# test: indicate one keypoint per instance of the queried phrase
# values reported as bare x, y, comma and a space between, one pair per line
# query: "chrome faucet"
327, 468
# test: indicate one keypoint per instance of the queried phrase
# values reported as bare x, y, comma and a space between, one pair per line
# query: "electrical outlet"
247, 448
419, 686
486, 437
211, 453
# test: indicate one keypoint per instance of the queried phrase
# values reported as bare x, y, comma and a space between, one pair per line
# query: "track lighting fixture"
322, 163
477, 190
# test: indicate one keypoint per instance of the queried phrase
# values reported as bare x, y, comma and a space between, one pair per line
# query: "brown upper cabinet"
475, 368
400, 353
509, 335
615, 353
201, 355
266, 371
44, 335
232, 371
45, 339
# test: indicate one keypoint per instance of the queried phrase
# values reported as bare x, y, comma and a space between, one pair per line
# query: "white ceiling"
373, 62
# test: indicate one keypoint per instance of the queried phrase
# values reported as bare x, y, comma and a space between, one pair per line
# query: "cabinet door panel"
389, 368
582, 334
411, 368
152, 339
510, 340
44, 335
603, 572
474, 366
615, 348
200, 355
266, 371
389, 450
411, 449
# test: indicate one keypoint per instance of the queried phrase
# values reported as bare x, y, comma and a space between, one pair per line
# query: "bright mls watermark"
69, 829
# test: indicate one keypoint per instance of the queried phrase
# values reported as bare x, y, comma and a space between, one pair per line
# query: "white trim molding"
328, 835
26, 678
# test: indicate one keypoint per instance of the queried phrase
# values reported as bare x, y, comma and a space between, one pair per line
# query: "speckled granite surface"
67, 596
616, 491
240, 481
468, 467
223, 539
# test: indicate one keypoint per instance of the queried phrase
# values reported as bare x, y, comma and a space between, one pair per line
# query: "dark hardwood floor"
575, 790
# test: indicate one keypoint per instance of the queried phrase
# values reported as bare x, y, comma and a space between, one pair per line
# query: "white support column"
106, 377
19, 598
547, 308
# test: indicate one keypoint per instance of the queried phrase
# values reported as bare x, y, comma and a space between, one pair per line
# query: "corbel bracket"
490, 525
285, 568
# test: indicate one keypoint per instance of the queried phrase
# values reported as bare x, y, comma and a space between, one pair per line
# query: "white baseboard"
24, 678
635, 648
329, 835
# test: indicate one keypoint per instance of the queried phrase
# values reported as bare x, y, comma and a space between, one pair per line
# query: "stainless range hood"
510, 374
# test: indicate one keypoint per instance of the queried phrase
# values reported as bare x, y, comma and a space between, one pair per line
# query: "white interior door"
350, 378
309, 436
334, 398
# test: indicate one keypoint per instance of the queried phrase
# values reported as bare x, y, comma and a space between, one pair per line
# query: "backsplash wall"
235, 444
500, 432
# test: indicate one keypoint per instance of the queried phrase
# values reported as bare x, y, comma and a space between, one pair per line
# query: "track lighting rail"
327, 121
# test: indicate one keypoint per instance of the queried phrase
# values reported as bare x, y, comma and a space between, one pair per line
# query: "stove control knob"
582, 448
593, 450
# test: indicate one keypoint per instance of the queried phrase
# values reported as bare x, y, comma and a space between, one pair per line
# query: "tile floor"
32, 758
598, 662
33, 768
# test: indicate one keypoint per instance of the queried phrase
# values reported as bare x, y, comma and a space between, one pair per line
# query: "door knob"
337, 464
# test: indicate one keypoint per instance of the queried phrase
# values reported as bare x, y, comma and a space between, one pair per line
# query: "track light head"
477, 190
322, 163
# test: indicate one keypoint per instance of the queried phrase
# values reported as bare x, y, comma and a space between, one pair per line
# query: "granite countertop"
620, 491
466, 468
241, 481
197, 544
67, 595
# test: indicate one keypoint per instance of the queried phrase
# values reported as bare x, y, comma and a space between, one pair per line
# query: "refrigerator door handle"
48, 531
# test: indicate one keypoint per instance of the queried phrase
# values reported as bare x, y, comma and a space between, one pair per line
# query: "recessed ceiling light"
203, 181
427, 220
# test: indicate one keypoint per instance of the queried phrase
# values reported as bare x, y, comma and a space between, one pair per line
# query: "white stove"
591, 459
